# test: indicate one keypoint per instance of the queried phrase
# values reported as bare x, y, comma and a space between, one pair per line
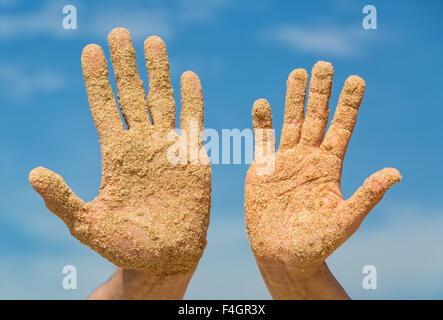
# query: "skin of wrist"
286, 281
130, 284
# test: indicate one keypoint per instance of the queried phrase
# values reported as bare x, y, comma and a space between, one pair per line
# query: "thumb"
371, 192
58, 197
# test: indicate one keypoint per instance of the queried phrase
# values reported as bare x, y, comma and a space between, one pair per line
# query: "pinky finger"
263, 130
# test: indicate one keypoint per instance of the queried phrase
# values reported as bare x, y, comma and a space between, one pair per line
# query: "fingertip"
296, 86
261, 114
93, 57
34, 175
91, 49
40, 178
190, 79
297, 79
298, 74
323, 69
119, 36
382, 180
260, 108
154, 43
392, 175
354, 83
118, 30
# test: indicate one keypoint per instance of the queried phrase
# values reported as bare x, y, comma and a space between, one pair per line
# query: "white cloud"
94, 21
323, 39
200, 10
19, 82
47, 20
7, 3
98, 20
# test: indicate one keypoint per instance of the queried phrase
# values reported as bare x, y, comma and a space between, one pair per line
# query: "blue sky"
242, 51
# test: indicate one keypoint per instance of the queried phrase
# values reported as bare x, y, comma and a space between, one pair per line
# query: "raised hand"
296, 215
151, 215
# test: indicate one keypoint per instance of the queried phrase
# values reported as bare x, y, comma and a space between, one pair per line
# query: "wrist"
287, 281
130, 284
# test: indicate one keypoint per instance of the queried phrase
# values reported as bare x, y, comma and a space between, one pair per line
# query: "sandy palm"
296, 214
150, 214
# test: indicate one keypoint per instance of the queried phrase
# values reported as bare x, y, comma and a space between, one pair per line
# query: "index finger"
100, 96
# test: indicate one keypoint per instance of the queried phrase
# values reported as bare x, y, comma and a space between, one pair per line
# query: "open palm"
296, 213
151, 214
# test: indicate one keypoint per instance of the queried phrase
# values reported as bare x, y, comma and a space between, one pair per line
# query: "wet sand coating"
150, 215
297, 215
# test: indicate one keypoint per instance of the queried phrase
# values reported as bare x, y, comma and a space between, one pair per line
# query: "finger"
263, 130
131, 95
191, 116
339, 133
317, 108
101, 99
58, 197
294, 109
160, 96
370, 193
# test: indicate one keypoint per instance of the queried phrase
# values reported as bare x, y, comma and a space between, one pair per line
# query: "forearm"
287, 282
128, 284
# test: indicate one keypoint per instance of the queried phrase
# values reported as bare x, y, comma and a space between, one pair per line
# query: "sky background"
242, 51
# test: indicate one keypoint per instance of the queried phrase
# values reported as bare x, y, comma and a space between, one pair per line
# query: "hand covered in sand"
296, 215
150, 215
